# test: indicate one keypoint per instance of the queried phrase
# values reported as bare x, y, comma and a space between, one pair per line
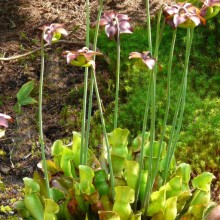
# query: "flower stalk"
150, 63
149, 27
117, 75
105, 136
150, 92
83, 152
151, 176
179, 108
84, 58
115, 24
168, 102
50, 34
184, 94
137, 191
83, 141
41, 119
92, 80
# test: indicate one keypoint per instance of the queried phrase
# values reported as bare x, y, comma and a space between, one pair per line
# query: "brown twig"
38, 49
78, 42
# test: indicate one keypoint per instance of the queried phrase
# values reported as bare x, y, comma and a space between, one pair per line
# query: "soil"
19, 33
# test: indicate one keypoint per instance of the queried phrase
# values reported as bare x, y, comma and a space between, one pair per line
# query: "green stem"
41, 119
92, 80
179, 125
179, 107
83, 147
117, 77
105, 136
153, 97
149, 27
162, 28
152, 137
137, 191
83, 152
151, 177
87, 23
89, 116
167, 104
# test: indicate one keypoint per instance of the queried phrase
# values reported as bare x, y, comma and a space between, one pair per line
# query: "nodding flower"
82, 57
115, 23
210, 8
4, 120
183, 15
53, 32
146, 58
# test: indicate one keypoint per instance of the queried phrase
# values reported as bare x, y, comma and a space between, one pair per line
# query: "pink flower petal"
177, 20
54, 26
110, 31
88, 56
195, 19
6, 116
92, 53
109, 15
103, 22
71, 56
123, 17
150, 63
48, 36
215, 3
62, 31
203, 11
146, 55
187, 5
83, 50
125, 27
50, 30
4, 120
135, 55
170, 10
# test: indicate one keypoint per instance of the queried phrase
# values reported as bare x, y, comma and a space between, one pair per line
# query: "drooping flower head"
210, 8
146, 58
82, 57
183, 15
114, 21
4, 120
53, 32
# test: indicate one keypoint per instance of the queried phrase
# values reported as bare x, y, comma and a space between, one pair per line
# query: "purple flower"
211, 3
114, 21
4, 120
82, 57
146, 58
53, 32
183, 15
210, 8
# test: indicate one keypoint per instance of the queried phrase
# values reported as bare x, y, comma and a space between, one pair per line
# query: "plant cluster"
136, 181
83, 191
